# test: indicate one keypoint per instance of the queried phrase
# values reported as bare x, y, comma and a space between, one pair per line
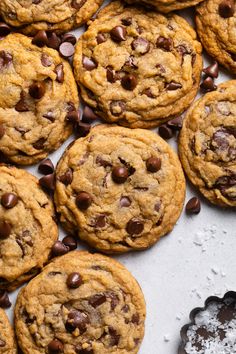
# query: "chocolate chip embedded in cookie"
136, 67
216, 28
207, 144
7, 338
27, 228
166, 6
37, 92
81, 303
54, 15
119, 189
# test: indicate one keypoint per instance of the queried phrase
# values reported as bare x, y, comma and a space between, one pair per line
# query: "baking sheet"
196, 260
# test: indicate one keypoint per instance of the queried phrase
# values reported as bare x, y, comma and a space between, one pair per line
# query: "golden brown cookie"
166, 6
7, 337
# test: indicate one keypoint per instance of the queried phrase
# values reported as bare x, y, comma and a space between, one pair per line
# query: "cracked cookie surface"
81, 303
120, 189
166, 6
136, 67
54, 15
37, 90
7, 341
216, 21
207, 144
27, 228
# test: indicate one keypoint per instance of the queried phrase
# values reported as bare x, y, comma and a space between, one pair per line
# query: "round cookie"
7, 338
120, 189
81, 303
54, 15
207, 144
216, 21
37, 90
166, 6
136, 67
27, 228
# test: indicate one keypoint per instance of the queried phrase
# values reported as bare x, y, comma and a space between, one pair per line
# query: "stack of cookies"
118, 186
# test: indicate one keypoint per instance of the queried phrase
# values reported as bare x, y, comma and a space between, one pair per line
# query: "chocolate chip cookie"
216, 28
7, 341
31, 16
208, 144
120, 189
37, 91
136, 67
81, 303
166, 6
27, 228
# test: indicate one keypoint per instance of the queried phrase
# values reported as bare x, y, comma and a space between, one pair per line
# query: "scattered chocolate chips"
74, 280
70, 242
135, 226
40, 39
88, 63
5, 229
89, 115
55, 346
9, 200
2, 130
129, 82
66, 178
227, 8
48, 182
165, 132
175, 124
212, 70
125, 202
77, 319
59, 249
120, 174
118, 34
97, 300
73, 117
69, 37
66, 49
208, 85
83, 200
140, 45
193, 206
153, 164
4, 299
164, 43
59, 70
46, 167
53, 41
82, 129
4, 29
37, 90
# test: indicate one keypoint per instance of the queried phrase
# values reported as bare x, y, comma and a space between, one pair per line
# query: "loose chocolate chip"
117, 108
66, 49
126, 21
48, 182
70, 242
164, 43
59, 70
100, 221
129, 82
140, 45
37, 90
46, 167
5, 229
53, 41
118, 34
208, 84
212, 70
74, 280
55, 346
4, 29
73, 117
21, 105
227, 8
77, 319
67, 177
88, 63
134, 226
2, 343
2, 131
89, 115
193, 206
125, 202
101, 38
176, 123
40, 39
165, 132
59, 249
172, 86
46, 60
97, 300
153, 164
82, 129
4, 299
69, 37
9, 200
120, 174
83, 200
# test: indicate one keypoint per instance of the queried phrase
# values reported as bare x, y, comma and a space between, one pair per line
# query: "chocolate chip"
9, 200
40, 39
77, 319
129, 82
172, 86
70, 242
69, 37
66, 49
53, 41
2, 131
193, 206
2, 343
5, 229
164, 43
212, 70
37, 90
39, 144
4, 299
5, 59
82, 129
208, 84
59, 249
74, 280
125, 202
83, 200
59, 70
225, 183
4, 29
111, 74
55, 346
49, 116
120, 174
135, 318
220, 139
100, 221
46, 60
157, 206
21, 105
114, 337
227, 8
101, 38
67, 177
97, 300
48, 182
46, 167
117, 108
153, 164
89, 115
176, 123
165, 132
77, 4
118, 34
134, 226
73, 117
140, 45
88, 63
126, 21
36, 2
148, 92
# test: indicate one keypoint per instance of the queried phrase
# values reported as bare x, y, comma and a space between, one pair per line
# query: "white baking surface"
196, 260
